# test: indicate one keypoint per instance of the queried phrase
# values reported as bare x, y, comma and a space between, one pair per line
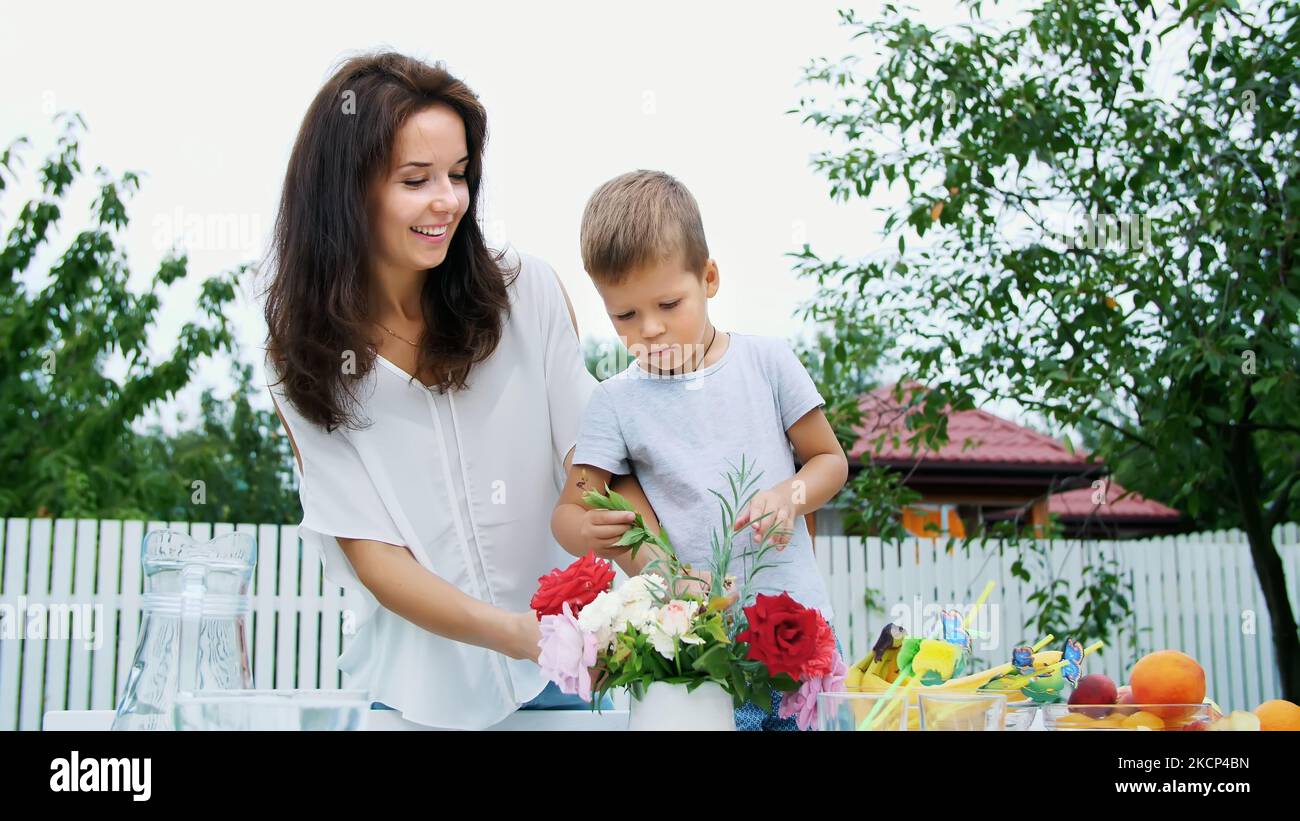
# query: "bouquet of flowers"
597, 637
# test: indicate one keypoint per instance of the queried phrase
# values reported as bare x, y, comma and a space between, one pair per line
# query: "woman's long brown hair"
317, 306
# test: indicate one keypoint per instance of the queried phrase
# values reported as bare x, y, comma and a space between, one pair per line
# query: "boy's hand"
780, 513
700, 585
605, 527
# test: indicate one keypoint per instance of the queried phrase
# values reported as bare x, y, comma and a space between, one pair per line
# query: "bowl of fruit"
1166, 691
1130, 717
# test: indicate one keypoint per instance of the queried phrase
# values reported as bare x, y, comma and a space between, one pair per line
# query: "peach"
1167, 677
1278, 714
1095, 688
1124, 695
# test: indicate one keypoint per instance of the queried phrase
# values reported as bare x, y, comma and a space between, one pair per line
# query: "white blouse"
467, 482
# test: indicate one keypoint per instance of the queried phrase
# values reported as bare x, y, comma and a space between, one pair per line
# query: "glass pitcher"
194, 624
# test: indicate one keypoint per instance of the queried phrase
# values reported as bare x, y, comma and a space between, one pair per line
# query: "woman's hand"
523, 633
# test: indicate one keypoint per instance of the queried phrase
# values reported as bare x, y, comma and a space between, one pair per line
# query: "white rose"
601, 617
640, 613
674, 620
642, 587
638, 597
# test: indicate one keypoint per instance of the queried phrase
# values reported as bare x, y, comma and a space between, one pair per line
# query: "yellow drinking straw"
988, 588
904, 676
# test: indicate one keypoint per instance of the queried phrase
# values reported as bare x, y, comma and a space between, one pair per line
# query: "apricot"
1167, 677
1278, 714
1237, 720
1142, 718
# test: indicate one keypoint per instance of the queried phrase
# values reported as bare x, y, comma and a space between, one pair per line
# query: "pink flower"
567, 653
802, 703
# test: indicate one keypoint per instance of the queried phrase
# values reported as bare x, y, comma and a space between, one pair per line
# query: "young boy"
692, 403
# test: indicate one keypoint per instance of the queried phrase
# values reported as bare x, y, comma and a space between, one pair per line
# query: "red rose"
578, 584
788, 637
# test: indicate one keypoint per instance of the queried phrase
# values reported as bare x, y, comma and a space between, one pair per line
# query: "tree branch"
1278, 510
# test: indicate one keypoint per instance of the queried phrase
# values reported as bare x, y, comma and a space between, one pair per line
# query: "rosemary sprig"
636, 535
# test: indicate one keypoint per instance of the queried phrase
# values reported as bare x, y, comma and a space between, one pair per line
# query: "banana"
880, 659
974, 681
856, 671
1005, 684
885, 666
872, 682
878, 670
889, 665
853, 680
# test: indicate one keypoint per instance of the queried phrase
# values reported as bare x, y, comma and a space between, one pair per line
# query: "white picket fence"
1195, 592
1190, 593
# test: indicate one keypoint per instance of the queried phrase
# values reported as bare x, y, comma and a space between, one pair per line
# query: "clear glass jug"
193, 627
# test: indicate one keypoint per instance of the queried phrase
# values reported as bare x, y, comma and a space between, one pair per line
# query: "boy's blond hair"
641, 218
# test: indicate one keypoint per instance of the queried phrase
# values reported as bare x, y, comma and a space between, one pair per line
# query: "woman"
432, 391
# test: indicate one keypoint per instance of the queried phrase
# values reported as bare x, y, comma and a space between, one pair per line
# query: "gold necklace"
404, 339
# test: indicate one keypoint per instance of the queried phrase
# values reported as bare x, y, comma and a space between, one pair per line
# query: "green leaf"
715, 661
618, 502
633, 535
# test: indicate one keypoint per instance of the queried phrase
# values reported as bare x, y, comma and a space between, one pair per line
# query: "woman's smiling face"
418, 203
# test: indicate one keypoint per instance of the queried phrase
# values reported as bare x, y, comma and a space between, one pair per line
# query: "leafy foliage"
69, 446
1115, 256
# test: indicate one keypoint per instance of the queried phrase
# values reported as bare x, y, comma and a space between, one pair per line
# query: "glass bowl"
962, 711
848, 711
1021, 714
1129, 716
271, 710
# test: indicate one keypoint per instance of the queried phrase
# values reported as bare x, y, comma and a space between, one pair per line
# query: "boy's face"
661, 313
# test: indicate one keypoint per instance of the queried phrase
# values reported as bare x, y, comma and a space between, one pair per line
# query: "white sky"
206, 102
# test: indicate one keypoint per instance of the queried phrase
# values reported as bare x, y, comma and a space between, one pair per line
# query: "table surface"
388, 720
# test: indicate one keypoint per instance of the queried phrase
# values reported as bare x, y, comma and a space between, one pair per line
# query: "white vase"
669, 707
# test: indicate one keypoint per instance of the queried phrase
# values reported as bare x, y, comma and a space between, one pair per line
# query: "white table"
389, 720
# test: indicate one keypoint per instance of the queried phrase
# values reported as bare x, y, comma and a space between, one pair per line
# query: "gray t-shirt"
682, 434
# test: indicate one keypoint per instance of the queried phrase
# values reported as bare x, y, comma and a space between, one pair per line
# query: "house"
991, 470
1107, 510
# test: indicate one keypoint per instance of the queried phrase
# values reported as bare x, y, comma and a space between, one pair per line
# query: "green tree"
68, 445
1111, 256
237, 451
845, 359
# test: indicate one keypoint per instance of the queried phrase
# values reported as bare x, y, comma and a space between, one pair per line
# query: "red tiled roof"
974, 437
1078, 504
